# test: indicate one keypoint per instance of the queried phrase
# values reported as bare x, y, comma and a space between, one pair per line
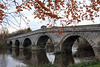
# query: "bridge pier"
97, 52
21, 55
34, 47
13, 51
49, 46
21, 46
57, 49
13, 46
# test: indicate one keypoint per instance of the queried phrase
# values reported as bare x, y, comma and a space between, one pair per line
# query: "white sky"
35, 24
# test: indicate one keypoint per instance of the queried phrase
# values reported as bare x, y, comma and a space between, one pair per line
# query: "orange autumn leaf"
98, 1
60, 32
53, 31
51, 28
47, 24
18, 7
2, 6
1, 11
74, 29
18, 10
1, 18
1, 14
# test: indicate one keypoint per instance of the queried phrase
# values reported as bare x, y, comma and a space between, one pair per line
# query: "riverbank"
92, 63
3, 45
98, 65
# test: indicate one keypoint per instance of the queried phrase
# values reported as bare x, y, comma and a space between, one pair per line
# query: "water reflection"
51, 57
64, 60
6, 59
23, 57
3, 60
17, 52
42, 58
29, 57
27, 54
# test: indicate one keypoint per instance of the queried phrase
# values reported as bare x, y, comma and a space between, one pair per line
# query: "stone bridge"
39, 39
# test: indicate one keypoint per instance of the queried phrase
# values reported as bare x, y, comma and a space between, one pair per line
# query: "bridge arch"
70, 39
53, 41
17, 43
27, 42
10, 43
42, 39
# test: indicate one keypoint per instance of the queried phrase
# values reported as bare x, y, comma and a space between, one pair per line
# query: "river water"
25, 57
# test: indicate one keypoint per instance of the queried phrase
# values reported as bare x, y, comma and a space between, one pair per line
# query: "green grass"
97, 65
5, 47
94, 62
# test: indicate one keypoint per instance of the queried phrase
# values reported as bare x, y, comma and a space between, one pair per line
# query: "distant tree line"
19, 32
5, 34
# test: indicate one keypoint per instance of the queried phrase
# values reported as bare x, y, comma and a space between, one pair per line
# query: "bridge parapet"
44, 29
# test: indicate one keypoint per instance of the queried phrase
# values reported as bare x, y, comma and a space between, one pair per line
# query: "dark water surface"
25, 57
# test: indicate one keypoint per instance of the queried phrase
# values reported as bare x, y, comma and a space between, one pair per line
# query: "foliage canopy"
63, 11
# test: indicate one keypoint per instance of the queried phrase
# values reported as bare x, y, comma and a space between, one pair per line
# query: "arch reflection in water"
16, 51
34, 58
31, 58
63, 60
42, 58
27, 54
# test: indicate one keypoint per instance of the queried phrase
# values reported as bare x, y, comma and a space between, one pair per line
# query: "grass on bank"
98, 65
4, 46
92, 63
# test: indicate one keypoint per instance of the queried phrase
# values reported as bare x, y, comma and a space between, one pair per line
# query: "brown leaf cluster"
54, 9
49, 8
2, 13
